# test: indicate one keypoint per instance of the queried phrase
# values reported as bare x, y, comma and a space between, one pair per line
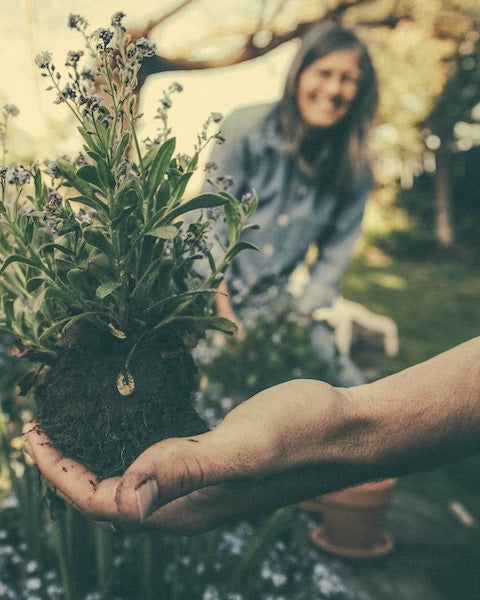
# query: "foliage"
106, 237
275, 349
412, 243
433, 302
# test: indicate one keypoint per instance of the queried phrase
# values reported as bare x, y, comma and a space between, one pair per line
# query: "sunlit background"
28, 27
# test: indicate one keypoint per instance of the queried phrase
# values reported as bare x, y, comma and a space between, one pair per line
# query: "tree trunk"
443, 214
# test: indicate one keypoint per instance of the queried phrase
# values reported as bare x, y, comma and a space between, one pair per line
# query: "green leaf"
126, 202
33, 284
37, 304
28, 232
68, 171
96, 156
37, 179
239, 247
91, 201
193, 163
165, 232
169, 304
105, 289
5, 247
122, 145
87, 136
105, 174
89, 173
63, 294
181, 185
202, 201
20, 259
78, 281
95, 237
53, 246
218, 323
101, 268
162, 196
159, 165
232, 220
7, 308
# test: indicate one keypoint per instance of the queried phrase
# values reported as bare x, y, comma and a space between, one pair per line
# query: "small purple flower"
11, 110
93, 102
52, 169
55, 201
76, 22
216, 117
145, 47
126, 169
88, 75
51, 225
226, 181
81, 159
17, 175
44, 60
69, 92
117, 19
166, 102
103, 35
84, 217
211, 166
73, 57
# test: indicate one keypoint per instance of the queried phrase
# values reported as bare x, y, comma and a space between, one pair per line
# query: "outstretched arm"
288, 443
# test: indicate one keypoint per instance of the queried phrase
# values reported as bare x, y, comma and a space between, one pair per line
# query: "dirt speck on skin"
143, 482
80, 409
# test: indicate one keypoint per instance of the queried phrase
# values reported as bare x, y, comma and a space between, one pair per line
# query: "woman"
306, 159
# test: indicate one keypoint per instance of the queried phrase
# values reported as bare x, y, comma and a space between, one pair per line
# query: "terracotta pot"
353, 519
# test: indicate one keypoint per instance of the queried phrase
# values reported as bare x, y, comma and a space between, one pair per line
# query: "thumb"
167, 470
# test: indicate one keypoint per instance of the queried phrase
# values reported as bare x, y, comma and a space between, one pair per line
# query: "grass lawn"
436, 306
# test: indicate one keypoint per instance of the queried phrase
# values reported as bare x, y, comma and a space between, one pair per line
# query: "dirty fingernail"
147, 494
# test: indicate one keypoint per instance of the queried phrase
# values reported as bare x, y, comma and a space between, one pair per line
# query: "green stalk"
26, 490
256, 549
176, 572
144, 558
62, 540
103, 553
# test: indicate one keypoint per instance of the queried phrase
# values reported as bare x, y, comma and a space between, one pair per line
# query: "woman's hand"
224, 308
262, 456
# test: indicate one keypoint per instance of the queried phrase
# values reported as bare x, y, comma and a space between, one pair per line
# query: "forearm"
222, 302
411, 421
421, 417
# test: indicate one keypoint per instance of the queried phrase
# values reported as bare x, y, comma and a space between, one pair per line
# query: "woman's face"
327, 88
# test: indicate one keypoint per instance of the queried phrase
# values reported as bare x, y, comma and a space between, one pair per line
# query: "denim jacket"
292, 214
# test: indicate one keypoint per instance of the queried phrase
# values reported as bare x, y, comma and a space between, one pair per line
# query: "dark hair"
347, 139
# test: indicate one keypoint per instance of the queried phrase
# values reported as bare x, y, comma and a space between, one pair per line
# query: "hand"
262, 456
288, 443
224, 308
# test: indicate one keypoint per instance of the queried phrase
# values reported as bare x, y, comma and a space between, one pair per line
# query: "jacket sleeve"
334, 256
